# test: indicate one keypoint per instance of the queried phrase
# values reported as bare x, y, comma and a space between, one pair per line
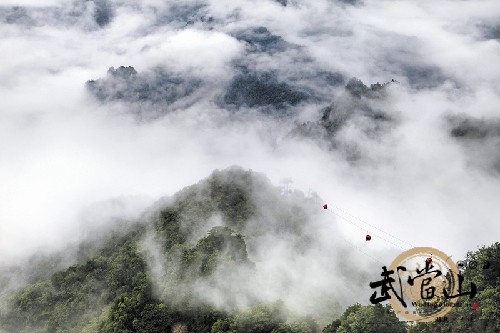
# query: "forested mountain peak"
198, 238
232, 253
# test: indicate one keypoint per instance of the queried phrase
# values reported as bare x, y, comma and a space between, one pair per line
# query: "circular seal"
422, 284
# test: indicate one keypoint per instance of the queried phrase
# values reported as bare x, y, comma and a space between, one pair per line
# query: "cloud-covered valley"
107, 106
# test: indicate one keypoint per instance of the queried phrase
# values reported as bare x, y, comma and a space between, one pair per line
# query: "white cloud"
62, 151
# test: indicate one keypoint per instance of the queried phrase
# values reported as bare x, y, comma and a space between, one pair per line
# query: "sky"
84, 141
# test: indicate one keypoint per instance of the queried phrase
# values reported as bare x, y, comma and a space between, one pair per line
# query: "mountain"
232, 253
183, 265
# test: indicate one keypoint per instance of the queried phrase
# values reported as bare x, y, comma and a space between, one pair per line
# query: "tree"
482, 269
367, 319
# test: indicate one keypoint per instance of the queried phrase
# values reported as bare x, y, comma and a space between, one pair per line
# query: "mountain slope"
201, 238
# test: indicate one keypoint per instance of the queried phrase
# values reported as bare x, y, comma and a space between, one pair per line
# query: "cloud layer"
262, 84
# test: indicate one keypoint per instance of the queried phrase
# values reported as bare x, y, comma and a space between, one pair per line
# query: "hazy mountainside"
109, 103
357, 106
154, 275
190, 266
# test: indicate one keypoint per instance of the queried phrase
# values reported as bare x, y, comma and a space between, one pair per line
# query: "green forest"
111, 289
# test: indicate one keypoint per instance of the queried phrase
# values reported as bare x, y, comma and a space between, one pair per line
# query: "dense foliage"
485, 274
369, 319
112, 288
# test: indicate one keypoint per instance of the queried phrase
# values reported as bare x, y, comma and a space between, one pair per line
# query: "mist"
84, 141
